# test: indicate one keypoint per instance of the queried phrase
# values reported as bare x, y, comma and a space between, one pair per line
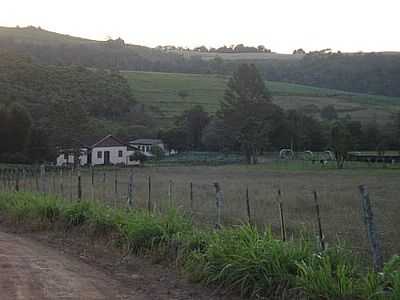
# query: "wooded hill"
102, 94
66, 104
372, 73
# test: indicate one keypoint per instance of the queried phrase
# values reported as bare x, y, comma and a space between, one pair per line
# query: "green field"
160, 93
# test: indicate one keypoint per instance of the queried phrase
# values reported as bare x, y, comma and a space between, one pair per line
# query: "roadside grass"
239, 259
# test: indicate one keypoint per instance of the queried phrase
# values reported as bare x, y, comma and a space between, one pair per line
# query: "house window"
120, 153
99, 154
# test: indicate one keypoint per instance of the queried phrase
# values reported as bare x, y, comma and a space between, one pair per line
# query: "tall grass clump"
384, 285
333, 274
38, 208
249, 261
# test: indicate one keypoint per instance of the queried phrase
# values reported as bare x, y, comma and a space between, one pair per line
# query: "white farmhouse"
146, 145
107, 151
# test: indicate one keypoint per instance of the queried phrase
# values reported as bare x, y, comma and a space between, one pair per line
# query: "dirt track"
29, 270
43, 266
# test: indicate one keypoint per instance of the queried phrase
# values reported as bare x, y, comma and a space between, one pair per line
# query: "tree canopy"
247, 111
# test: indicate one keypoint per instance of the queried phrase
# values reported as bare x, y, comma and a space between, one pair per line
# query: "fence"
328, 205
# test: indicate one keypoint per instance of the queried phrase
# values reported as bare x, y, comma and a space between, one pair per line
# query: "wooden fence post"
23, 179
219, 201
170, 183
149, 194
116, 185
1, 178
104, 186
282, 219
53, 181
36, 174
368, 218
16, 180
320, 233
79, 181
43, 178
71, 187
191, 196
30, 180
130, 189
248, 207
61, 183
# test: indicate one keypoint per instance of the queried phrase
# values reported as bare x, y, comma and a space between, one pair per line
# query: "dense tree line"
239, 48
372, 73
249, 122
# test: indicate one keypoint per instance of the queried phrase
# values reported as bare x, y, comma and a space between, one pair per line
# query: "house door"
106, 157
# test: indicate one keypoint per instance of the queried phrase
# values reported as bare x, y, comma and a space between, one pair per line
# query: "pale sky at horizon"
285, 25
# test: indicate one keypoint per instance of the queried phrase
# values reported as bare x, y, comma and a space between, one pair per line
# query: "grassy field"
170, 186
160, 93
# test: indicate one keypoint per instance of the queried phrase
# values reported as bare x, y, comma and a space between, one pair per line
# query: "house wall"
146, 148
114, 158
61, 161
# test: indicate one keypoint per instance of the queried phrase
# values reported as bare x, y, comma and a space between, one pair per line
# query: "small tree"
183, 94
193, 122
341, 143
139, 156
329, 113
157, 152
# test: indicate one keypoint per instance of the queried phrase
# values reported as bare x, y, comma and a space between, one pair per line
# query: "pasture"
159, 92
170, 186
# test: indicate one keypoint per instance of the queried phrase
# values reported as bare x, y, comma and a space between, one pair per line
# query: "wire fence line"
214, 201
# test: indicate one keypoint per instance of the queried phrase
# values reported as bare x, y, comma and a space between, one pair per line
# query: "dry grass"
337, 189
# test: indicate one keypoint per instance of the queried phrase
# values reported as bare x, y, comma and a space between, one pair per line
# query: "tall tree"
70, 124
247, 111
20, 125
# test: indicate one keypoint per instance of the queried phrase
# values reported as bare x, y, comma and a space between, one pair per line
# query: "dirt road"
29, 270
38, 266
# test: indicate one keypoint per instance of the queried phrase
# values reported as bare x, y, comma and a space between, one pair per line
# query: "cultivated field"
159, 92
170, 186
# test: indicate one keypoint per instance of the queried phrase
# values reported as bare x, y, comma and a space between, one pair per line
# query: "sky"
281, 25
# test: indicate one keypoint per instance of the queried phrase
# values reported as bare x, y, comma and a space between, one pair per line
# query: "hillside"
371, 73
159, 92
48, 47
